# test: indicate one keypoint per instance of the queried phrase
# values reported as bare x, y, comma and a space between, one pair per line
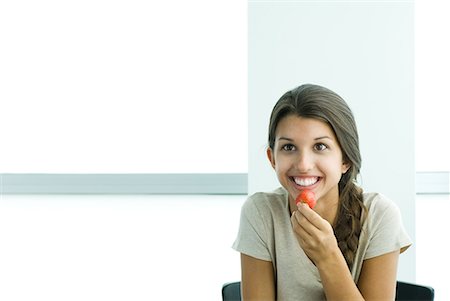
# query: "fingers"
302, 235
306, 220
309, 214
302, 226
313, 217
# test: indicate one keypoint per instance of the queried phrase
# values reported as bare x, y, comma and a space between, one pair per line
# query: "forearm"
337, 280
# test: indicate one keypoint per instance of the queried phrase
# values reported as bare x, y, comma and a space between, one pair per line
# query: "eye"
288, 147
320, 147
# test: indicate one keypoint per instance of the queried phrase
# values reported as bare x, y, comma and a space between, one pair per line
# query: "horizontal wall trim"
432, 182
124, 183
426, 183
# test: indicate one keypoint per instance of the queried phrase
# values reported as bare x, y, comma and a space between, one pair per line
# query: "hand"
314, 234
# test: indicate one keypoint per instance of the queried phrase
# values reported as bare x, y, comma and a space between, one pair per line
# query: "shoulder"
378, 203
278, 195
382, 211
383, 230
266, 202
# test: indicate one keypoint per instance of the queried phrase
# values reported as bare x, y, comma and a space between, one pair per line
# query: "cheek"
332, 168
281, 167
282, 163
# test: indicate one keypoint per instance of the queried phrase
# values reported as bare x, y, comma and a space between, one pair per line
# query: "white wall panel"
362, 50
123, 86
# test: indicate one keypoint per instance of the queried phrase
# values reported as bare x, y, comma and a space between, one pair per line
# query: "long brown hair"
318, 102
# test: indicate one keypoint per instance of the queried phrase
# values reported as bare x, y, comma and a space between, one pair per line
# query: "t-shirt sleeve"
252, 235
388, 232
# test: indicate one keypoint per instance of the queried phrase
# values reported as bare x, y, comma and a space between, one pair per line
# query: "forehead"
293, 126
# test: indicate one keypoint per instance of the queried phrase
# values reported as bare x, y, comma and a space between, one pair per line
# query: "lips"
305, 181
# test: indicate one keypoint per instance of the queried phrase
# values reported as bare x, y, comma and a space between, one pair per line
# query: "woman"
347, 246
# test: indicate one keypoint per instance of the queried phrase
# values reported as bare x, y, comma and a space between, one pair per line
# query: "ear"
345, 167
271, 157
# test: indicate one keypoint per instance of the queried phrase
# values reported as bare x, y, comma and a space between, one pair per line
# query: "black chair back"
413, 292
231, 291
405, 292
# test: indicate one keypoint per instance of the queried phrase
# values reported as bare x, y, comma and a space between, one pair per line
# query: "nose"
305, 161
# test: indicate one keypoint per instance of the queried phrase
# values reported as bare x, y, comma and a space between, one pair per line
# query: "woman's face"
307, 155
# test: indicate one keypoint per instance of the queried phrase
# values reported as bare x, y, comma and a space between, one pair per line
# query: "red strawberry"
308, 197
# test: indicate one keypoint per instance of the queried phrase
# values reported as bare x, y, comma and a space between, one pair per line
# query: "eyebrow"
318, 138
323, 137
285, 138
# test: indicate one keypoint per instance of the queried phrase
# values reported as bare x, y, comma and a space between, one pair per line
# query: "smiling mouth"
305, 181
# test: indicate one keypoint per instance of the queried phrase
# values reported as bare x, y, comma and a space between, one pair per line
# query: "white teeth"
306, 181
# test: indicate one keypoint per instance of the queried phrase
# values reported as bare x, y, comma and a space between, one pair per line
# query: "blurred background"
133, 131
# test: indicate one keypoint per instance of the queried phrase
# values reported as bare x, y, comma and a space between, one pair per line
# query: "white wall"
432, 70
117, 247
364, 52
124, 86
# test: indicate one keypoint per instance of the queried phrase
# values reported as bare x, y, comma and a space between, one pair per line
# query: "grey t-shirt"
266, 233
